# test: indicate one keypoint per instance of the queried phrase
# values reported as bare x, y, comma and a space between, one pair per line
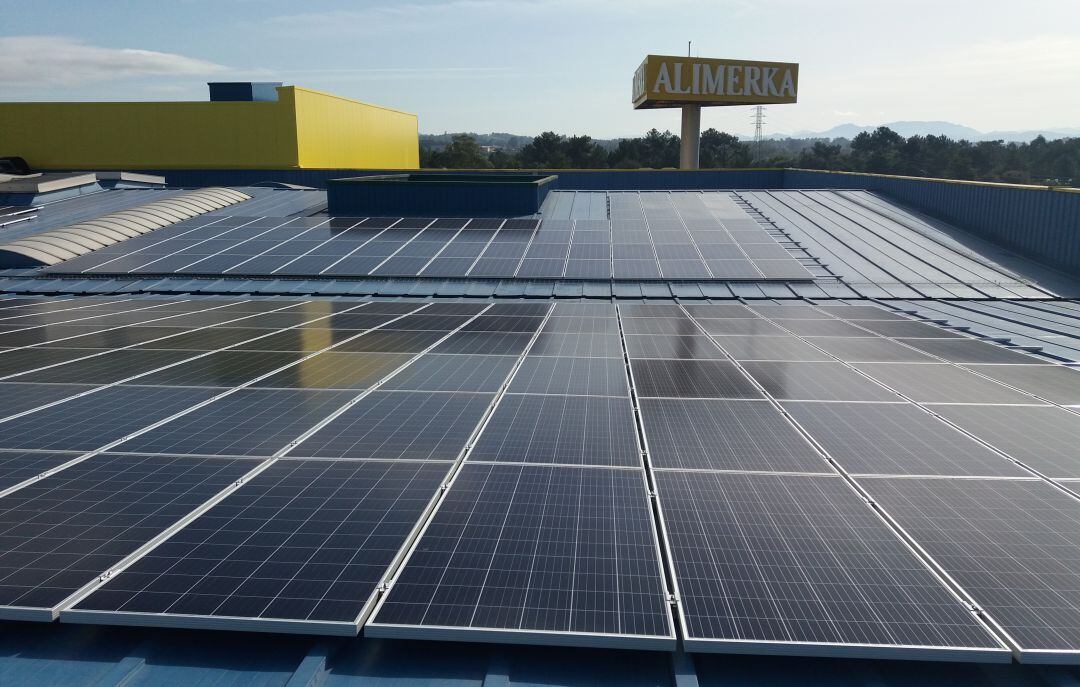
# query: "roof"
752, 392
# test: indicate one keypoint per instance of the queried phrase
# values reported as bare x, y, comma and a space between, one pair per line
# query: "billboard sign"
667, 81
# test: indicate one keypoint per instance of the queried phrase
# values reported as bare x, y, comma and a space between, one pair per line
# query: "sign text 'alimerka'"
667, 81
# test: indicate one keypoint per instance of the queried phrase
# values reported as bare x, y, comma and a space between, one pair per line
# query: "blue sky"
529, 65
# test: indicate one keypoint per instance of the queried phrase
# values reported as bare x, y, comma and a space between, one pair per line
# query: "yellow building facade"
301, 129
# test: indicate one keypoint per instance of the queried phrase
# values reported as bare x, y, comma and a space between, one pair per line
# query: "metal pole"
691, 137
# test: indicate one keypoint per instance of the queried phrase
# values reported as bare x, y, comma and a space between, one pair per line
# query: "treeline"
882, 151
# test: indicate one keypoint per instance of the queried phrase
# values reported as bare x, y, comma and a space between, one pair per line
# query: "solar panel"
221, 369
569, 430
801, 327
400, 425
676, 347
300, 548
250, 422
1055, 383
1042, 437
577, 345
19, 398
691, 379
334, 370
486, 343
534, 554
743, 325
798, 564
784, 348
827, 381
1011, 544
434, 372
107, 368
64, 531
941, 383
859, 350
896, 439
558, 375
972, 351
725, 435
19, 466
89, 422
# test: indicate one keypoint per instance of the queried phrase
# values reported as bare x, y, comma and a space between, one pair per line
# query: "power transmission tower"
759, 122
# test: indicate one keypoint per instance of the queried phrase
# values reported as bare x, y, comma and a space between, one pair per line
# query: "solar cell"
581, 325
219, 337
89, 422
691, 379
87, 337
400, 425
1043, 437
725, 435
821, 328
570, 430
1011, 544
544, 553
799, 564
815, 382
64, 531
908, 329
434, 372
941, 383
250, 422
896, 439
300, 547
579, 376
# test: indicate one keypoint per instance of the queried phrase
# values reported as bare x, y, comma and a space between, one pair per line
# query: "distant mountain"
950, 129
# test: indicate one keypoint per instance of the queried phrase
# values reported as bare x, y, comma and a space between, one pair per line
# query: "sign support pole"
691, 137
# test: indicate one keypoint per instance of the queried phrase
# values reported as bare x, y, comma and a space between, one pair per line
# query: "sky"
525, 66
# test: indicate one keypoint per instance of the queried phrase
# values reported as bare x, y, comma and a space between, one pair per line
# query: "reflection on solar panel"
60, 533
800, 565
1012, 544
535, 554
299, 548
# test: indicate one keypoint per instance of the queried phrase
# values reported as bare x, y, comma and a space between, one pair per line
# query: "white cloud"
61, 61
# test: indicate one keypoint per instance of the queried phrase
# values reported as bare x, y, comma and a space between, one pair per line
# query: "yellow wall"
302, 129
338, 132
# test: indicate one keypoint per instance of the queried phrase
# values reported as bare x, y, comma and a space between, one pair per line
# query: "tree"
546, 151
461, 153
719, 149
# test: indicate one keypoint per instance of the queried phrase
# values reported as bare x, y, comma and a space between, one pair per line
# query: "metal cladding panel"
1038, 222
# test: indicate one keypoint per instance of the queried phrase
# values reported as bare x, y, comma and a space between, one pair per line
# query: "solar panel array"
801, 479
648, 236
